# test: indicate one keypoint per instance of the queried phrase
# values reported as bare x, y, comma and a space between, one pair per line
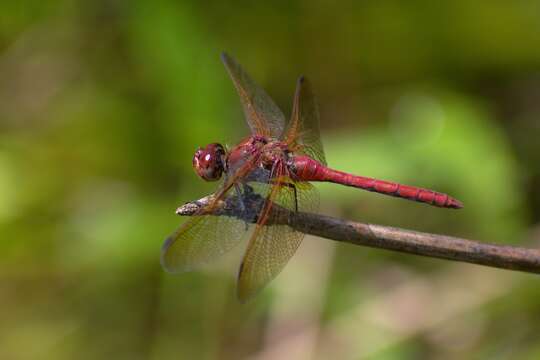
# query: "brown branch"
383, 237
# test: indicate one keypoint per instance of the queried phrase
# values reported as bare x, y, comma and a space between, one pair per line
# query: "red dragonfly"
278, 160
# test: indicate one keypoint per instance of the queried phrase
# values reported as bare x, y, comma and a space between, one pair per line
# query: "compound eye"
219, 149
196, 157
207, 163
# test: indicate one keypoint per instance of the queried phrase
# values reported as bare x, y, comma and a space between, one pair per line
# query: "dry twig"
383, 237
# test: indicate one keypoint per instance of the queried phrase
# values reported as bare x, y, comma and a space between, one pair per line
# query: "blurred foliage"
102, 104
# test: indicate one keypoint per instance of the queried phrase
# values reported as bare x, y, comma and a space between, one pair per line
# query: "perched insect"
278, 160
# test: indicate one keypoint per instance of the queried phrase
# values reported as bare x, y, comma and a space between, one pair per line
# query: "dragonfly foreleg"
240, 197
243, 209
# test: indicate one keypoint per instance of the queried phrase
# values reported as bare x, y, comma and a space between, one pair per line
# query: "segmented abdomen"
308, 169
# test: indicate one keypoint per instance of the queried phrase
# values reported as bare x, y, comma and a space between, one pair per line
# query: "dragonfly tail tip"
455, 204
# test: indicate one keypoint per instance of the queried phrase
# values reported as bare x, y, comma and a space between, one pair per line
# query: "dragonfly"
278, 161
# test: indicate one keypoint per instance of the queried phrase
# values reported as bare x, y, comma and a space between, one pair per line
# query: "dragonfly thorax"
273, 153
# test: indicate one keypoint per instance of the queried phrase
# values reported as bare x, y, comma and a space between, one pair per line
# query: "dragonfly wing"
271, 246
204, 237
200, 240
303, 127
262, 115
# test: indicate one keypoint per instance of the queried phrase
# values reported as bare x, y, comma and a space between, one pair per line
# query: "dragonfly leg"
295, 195
290, 186
240, 197
295, 198
248, 190
243, 209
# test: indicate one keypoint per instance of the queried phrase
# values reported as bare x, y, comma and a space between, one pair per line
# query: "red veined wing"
204, 237
271, 246
303, 127
262, 115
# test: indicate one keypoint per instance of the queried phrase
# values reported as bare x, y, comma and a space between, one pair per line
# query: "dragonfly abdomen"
308, 169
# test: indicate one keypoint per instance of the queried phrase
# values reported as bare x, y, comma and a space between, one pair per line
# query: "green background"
102, 104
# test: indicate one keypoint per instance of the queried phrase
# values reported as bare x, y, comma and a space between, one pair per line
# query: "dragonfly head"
209, 162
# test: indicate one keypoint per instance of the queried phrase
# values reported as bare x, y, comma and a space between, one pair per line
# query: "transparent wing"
262, 115
271, 247
303, 127
205, 237
200, 240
